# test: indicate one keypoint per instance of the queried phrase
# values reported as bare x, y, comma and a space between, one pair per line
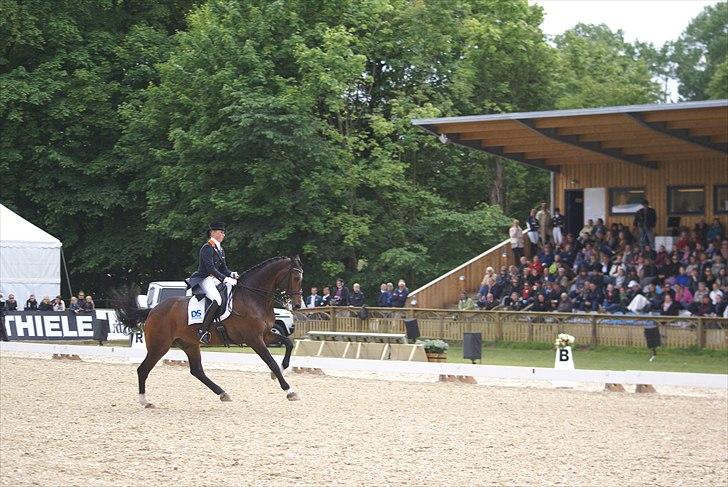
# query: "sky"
655, 21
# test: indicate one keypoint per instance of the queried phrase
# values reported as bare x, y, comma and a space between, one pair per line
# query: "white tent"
30, 259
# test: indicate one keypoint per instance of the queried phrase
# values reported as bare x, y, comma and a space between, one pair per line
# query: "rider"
211, 271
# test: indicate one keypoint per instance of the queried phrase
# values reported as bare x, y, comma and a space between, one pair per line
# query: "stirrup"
204, 336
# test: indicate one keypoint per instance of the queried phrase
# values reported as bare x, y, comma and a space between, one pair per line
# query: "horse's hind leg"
195, 358
259, 346
153, 356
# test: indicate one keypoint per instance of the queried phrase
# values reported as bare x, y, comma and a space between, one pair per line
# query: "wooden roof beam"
681, 134
595, 147
497, 151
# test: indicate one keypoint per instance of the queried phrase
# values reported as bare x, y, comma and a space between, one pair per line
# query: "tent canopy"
30, 258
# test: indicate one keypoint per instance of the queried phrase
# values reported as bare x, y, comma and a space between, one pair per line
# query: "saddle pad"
196, 308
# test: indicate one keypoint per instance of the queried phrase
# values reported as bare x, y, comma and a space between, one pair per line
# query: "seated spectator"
465, 303
669, 307
385, 298
593, 297
45, 304
683, 296
682, 277
546, 256
356, 298
700, 293
612, 299
31, 304
513, 302
399, 296
58, 304
488, 302
705, 307
73, 305
586, 230
88, 305
715, 231
720, 306
716, 293
565, 305
541, 304
11, 304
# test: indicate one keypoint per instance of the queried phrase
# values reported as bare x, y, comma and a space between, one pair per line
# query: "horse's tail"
127, 310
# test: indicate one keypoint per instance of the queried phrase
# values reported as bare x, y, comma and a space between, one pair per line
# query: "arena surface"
78, 423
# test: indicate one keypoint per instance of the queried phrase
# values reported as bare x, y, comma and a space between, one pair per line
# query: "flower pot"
436, 357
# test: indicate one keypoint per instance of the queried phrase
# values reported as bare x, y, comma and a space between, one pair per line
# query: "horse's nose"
296, 306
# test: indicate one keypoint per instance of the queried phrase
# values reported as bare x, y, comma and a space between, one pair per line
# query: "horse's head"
293, 281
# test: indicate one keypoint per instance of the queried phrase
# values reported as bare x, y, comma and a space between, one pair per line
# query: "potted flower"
436, 350
564, 340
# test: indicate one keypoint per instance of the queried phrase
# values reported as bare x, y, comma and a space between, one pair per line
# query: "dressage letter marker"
564, 361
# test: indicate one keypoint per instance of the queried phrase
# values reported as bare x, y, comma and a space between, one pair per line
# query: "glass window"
720, 198
686, 200
625, 200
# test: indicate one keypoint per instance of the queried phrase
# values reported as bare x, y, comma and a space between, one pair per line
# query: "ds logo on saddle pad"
195, 314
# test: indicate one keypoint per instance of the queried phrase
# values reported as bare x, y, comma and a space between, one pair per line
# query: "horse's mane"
262, 264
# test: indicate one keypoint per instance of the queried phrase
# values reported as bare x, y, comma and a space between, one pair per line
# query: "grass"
601, 358
542, 355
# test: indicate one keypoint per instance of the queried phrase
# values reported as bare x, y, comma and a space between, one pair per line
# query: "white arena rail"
714, 381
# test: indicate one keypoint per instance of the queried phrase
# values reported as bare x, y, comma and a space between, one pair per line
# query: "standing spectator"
31, 304
81, 297
73, 305
516, 235
45, 304
558, 226
326, 298
544, 220
533, 226
11, 304
466, 302
645, 220
715, 231
356, 298
88, 305
58, 304
399, 296
385, 297
314, 300
341, 295
3, 308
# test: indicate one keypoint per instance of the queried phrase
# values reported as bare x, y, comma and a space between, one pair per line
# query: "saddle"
199, 304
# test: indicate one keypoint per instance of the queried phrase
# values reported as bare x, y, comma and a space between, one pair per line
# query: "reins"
276, 296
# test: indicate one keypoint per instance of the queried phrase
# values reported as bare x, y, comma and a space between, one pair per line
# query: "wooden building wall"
707, 172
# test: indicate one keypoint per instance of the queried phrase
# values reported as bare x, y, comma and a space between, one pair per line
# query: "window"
686, 200
625, 200
720, 198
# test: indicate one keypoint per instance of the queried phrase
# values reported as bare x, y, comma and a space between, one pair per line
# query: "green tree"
700, 55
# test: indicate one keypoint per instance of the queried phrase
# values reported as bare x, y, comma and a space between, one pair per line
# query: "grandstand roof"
644, 135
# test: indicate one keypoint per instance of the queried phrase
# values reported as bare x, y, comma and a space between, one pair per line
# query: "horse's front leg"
259, 346
289, 349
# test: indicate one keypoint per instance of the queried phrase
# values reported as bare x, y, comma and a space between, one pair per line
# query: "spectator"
487, 302
516, 235
3, 311
715, 231
645, 220
544, 221
558, 226
533, 226
326, 298
612, 299
720, 305
356, 298
385, 297
716, 294
11, 304
565, 305
669, 307
399, 296
45, 304
314, 300
31, 304
341, 295
541, 304
513, 302
683, 296
705, 307
81, 297
73, 305
586, 230
466, 302
58, 304
88, 305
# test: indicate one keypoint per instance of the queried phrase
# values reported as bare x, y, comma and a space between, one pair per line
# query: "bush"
435, 346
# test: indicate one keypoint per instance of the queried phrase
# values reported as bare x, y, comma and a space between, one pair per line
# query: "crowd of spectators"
80, 304
389, 296
609, 269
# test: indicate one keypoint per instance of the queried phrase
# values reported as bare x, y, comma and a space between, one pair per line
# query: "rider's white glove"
230, 280
235, 275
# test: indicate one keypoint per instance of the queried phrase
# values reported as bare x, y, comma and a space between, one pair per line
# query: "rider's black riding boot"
203, 332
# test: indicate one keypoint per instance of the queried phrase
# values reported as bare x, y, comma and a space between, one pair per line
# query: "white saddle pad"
196, 309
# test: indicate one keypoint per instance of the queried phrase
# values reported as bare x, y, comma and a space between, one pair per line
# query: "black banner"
55, 325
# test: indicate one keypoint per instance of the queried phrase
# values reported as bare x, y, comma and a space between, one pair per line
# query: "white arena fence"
713, 381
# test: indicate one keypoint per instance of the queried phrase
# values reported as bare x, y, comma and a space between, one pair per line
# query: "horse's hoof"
224, 397
149, 405
293, 396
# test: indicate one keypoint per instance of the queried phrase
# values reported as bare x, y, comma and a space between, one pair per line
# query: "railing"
522, 326
445, 290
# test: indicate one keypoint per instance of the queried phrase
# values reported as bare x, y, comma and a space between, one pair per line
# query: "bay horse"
251, 323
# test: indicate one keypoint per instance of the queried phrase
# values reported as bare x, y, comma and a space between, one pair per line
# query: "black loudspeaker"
652, 336
413, 329
472, 346
100, 330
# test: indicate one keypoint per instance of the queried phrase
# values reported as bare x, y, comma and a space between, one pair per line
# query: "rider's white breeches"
208, 285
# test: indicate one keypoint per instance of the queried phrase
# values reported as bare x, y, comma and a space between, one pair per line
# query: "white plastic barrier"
715, 381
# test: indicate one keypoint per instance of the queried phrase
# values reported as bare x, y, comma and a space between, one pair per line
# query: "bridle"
280, 297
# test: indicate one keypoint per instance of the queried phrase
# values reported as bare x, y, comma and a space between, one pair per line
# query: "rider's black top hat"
217, 226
